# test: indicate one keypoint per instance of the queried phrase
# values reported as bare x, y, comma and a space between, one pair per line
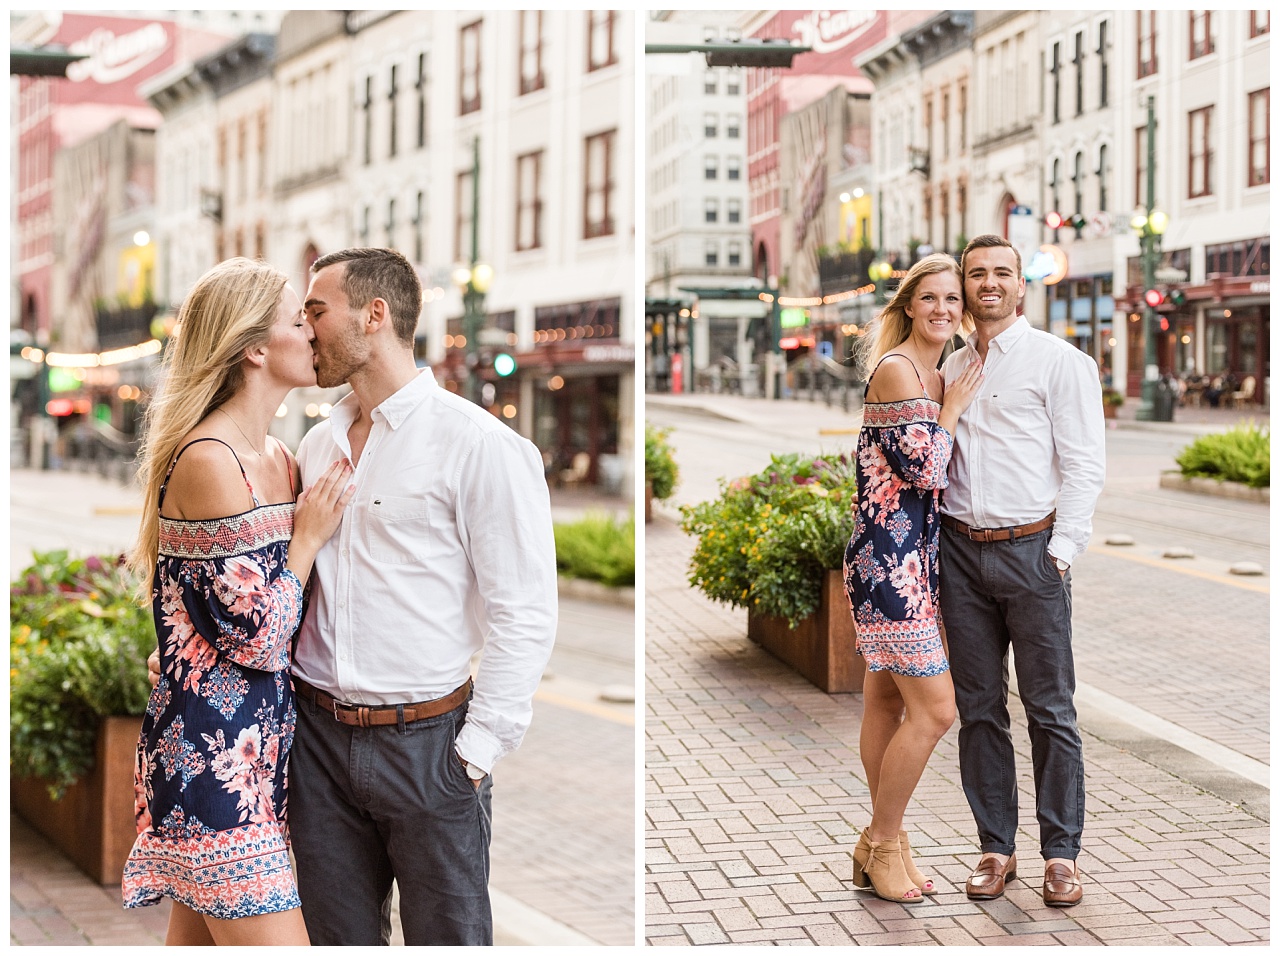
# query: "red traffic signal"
1154, 298
1054, 220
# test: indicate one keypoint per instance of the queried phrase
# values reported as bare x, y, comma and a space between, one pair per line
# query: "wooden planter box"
822, 649
93, 823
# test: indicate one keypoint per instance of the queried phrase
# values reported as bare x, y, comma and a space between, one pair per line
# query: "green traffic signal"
504, 364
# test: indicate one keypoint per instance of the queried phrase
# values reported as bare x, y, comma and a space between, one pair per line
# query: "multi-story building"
1204, 77
696, 202
541, 103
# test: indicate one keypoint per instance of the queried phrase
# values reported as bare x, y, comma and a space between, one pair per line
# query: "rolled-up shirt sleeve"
504, 519
1079, 438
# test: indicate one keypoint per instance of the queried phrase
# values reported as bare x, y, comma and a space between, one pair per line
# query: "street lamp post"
1150, 227
474, 280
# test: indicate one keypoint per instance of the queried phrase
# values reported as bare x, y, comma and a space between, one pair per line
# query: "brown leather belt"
356, 715
998, 534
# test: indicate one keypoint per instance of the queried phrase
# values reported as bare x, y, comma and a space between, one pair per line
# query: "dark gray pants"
996, 595
371, 804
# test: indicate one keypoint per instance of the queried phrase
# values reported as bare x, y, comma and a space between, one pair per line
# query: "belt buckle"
335, 710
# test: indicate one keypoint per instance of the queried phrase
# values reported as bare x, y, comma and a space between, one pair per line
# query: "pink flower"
249, 745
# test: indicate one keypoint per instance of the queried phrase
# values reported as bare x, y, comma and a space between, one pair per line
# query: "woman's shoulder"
207, 480
894, 379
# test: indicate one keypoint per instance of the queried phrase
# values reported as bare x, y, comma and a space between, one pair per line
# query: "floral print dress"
210, 780
891, 564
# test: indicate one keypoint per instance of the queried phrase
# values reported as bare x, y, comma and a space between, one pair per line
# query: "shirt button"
345, 553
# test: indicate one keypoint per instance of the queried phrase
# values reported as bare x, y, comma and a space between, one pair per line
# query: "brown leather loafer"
988, 880
1062, 885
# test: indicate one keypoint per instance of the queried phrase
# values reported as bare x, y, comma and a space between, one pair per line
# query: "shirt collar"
1006, 339
394, 409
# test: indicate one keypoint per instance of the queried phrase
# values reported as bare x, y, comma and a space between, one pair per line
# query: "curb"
585, 590
1213, 486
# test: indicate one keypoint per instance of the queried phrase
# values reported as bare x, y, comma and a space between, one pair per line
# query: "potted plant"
660, 470
1111, 402
774, 543
78, 644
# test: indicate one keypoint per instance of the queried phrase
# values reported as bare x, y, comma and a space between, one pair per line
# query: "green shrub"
598, 548
660, 469
767, 541
1242, 454
78, 646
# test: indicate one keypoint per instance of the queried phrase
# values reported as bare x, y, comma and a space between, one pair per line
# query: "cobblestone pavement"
563, 855
754, 791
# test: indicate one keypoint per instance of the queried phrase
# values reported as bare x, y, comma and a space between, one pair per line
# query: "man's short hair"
987, 241
374, 273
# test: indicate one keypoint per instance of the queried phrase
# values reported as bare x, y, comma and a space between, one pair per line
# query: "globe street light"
474, 281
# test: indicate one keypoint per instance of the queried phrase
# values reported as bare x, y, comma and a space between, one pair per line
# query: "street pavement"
563, 854
755, 794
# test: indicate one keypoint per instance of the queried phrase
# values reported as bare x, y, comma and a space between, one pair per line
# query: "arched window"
1103, 173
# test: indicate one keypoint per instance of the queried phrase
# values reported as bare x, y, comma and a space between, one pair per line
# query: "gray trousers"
994, 596
371, 804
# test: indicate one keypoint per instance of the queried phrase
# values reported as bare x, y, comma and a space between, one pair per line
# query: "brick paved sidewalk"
754, 800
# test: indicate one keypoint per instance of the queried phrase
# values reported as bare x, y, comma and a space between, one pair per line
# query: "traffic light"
1177, 297
1154, 298
504, 364
1054, 220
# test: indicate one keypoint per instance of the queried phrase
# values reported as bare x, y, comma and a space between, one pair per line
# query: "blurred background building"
494, 149
908, 132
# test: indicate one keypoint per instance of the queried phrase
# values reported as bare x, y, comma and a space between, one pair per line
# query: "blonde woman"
228, 552
891, 565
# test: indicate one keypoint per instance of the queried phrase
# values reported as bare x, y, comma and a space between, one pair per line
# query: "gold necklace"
242, 434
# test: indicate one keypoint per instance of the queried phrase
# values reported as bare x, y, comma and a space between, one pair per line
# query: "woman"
228, 552
891, 565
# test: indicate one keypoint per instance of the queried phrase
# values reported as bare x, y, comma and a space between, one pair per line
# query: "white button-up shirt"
1033, 438
445, 549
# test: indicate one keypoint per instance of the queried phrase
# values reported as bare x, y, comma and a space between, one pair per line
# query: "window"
391, 224
733, 126
469, 68
733, 168
529, 201
391, 106
1140, 167
420, 84
733, 82
1259, 22
531, 51
1260, 137
1201, 34
710, 126
1056, 70
1104, 64
242, 156
713, 253
598, 187
1055, 181
1104, 173
1078, 60
1077, 181
462, 217
367, 107
1146, 42
733, 211
365, 213
710, 83
419, 228
711, 168
260, 241
1199, 153
711, 213
946, 124
735, 253
964, 114
600, 50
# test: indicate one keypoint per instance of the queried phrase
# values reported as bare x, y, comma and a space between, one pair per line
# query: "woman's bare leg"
882, 709
931, 710
270, 929
186, 928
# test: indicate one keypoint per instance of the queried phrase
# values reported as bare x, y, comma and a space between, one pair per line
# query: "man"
446, 549
1031, 440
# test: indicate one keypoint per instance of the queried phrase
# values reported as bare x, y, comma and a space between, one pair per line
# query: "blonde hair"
894, 324
229, 310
